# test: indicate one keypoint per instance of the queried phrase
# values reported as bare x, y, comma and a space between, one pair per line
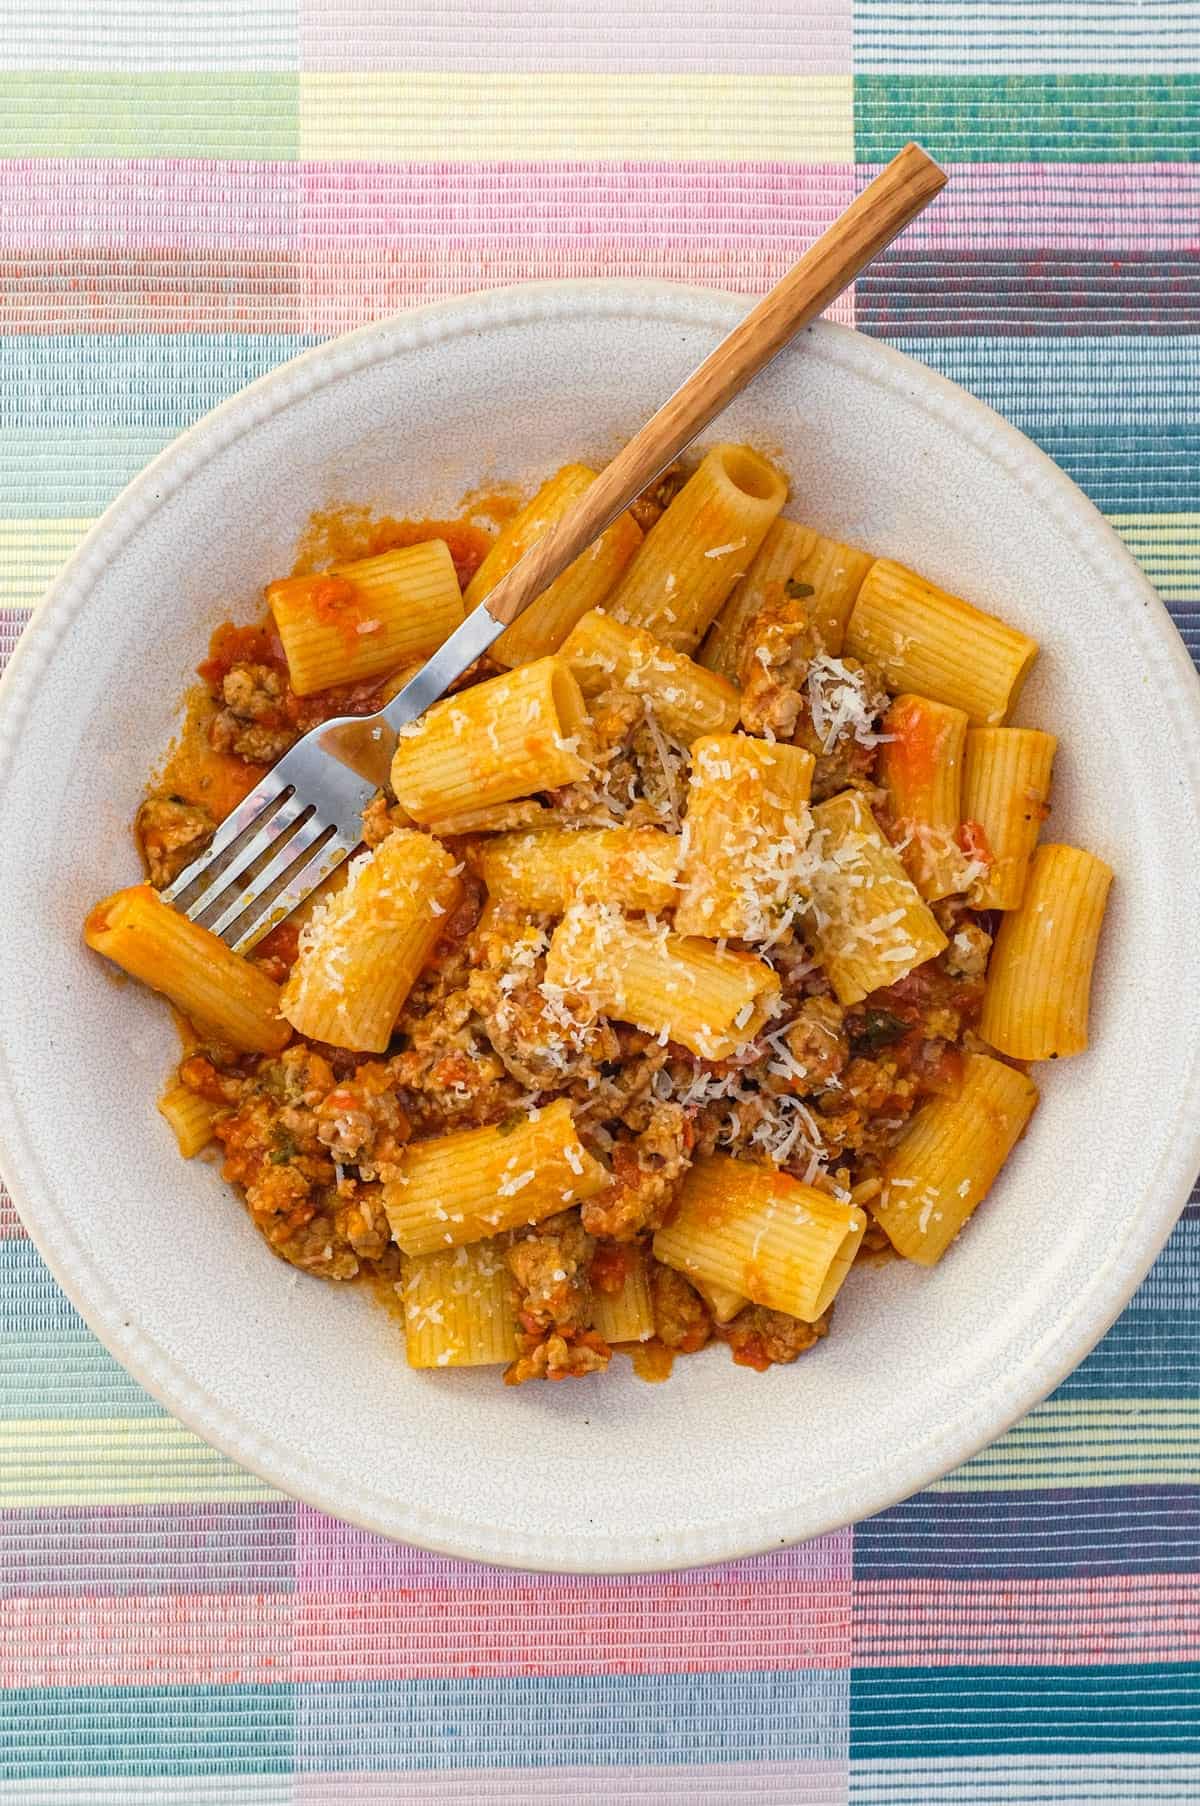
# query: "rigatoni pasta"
192, 1118
546, 623
462, 1188
627, 1315
746, 825
361, 953
1006, 793
921, 769
499, 740
792, 562
866, 918
947, 1159
652, 986
780, 1242
924, 639
605, 654
460, 1307
192, 967
681, 988
548, 869
692, 557
364, 619
1040, 979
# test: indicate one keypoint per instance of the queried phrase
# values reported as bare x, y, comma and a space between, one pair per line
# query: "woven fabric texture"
191, 191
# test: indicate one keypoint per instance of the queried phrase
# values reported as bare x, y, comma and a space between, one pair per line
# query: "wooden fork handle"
883, 209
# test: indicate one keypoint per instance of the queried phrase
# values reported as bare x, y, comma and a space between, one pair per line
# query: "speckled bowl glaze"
306, 1384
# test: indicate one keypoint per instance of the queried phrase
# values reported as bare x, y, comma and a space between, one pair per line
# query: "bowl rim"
906, 1471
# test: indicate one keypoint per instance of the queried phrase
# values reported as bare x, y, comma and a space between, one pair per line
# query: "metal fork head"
302, 820
293, 829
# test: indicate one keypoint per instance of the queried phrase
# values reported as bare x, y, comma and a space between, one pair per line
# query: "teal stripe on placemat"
1030, 118
927, 1713
118, 113
131, 380
66, 1373
56, 1732
1120, 414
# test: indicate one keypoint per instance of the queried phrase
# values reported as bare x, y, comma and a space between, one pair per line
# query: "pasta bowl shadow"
304, 1385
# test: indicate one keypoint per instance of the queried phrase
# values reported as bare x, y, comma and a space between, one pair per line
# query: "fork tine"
314, 871
262, 804
280, 827
285, 850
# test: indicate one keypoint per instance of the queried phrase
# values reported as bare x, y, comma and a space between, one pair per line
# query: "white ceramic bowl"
305, 1383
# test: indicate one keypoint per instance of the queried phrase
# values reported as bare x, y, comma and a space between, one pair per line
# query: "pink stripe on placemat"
1094, 1619
621, 36
190, 1639
655, 1627
370, 286
11, 1226
528, 205
1063, 206
193, 204
338, 1558
711, 1784
169, 290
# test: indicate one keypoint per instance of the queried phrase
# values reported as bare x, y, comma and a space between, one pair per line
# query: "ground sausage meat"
817, 1042
646, 1174
681, 1317
253, 723
551, 1263
762, 1338
171, 834
779, 648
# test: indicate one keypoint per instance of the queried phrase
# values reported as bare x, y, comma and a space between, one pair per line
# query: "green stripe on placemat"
60, 113
1023, 118
105, 1461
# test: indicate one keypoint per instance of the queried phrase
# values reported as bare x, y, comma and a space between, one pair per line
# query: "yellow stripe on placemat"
32, 552
411, 116
112, 1461
1167, 546
1089, 1442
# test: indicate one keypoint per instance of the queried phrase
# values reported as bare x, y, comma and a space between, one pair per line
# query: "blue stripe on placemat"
1054, 1534
652, 1720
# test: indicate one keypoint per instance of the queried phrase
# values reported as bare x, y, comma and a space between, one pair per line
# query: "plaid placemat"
192, 190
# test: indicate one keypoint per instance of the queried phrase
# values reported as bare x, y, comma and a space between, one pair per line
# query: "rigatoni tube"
498, 740
1006, 791
949, 1155
461, 1188
793, 561
364, 619
361, 952
1039, 981
460, 1307
548, 869
921, 769
867, 921
760, 1233
746, 826
924, 639
627, 1315
192, 1117
696, 551
711, 1001
606, 654
195, 969
548, 620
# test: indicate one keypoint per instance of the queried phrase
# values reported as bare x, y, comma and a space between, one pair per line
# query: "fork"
303, 819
